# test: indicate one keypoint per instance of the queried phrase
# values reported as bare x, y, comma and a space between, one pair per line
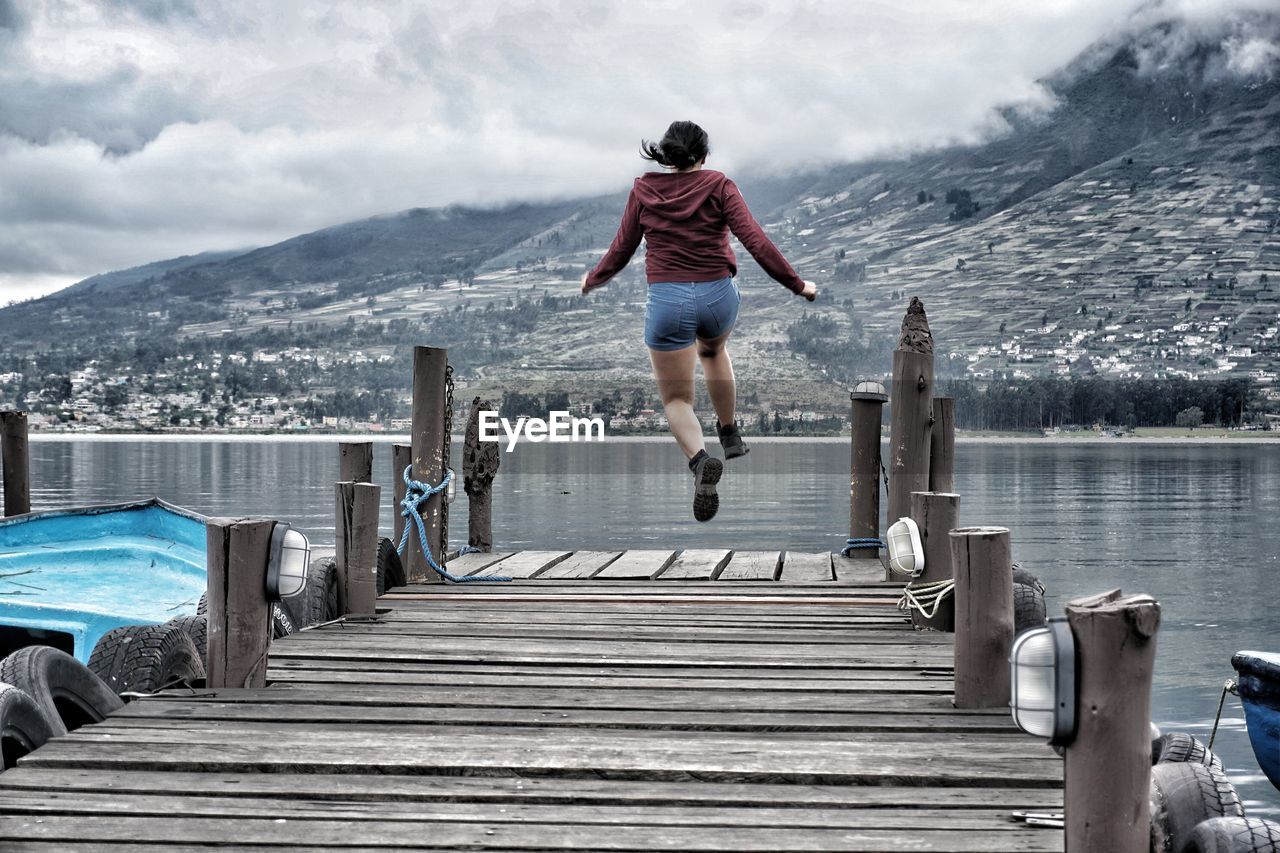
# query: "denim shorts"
680, 311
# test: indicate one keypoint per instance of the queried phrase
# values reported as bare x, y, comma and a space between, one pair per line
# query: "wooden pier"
638, 700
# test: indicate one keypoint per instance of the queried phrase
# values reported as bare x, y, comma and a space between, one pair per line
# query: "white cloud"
150, 129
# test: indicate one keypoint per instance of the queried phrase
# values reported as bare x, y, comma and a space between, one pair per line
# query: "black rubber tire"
1235, 835
281, 623
390, 568
1183, 795
1180, 746
202, 607
321, 594
1028, 608
23, 726
147, 658
68, 694
1021, 575
197, 628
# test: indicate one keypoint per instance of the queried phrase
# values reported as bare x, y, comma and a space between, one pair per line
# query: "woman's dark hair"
683, 145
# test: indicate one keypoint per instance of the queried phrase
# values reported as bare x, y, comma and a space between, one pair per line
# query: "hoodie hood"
677, 195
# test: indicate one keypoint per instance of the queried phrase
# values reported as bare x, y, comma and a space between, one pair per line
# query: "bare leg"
718, 369
674, 372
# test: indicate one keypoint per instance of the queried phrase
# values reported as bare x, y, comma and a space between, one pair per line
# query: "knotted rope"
926, 598
416, 493
851, 543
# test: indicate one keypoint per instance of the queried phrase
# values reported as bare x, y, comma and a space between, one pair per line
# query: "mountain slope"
1130, 231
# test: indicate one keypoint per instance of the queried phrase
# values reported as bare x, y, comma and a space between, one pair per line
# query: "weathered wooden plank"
286, 787
466, 564
559, 586
806, 568
466, 610
546, 639
855, 571
796, 720
621, 753
633, 699
880, 686
745, 675
637, 632
583, 564
636, 565
177, 830
161, 805
751, 566
696, 564
524, 564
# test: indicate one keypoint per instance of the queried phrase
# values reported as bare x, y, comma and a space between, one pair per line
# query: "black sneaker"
706, 473
731, 441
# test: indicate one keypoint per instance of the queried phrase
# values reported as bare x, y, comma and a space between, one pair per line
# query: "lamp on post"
1042, 676
906, 550
288, 561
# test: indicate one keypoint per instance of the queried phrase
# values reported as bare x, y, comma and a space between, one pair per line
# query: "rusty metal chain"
448, 440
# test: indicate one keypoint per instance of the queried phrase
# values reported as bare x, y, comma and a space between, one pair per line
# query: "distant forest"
1052, 401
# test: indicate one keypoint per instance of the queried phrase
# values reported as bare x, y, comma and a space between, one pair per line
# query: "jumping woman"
685, 215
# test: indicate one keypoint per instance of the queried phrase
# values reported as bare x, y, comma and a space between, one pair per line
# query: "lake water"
1195, 525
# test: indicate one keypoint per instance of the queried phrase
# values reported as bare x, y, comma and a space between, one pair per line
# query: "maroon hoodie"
685, 219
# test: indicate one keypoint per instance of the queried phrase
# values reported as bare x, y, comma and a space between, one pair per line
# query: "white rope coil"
925, 598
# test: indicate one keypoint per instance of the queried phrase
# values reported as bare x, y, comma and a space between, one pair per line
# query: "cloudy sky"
135, 130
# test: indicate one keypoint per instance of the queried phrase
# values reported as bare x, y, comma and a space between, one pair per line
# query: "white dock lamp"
906, 551
287, 567
1042, 670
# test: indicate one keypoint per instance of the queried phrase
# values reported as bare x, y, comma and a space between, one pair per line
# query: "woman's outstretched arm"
621, 249
752, 236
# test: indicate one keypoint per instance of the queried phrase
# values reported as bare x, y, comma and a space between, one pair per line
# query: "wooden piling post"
942, 446
15, 459
867, 401
909, 413
936, 514
401, 458
355, 462
982, 561
356, 551
239, 615
1108, 764
429, 370
480, 460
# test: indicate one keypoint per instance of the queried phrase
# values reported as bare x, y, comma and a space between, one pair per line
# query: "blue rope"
851, 543
415, 494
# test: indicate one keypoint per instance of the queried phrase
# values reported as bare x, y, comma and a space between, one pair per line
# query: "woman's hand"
810, 291
583, 282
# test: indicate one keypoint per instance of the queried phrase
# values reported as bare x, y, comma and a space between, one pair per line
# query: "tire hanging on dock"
1183, 795
282, 625
147, 658
390, 568
67, 692
1028, 608
1180, 746
1022, 576
197, 628
1235, 835
319, 602
23, 726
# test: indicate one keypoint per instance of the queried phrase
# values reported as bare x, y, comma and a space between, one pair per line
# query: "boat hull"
1258, 683
69, 576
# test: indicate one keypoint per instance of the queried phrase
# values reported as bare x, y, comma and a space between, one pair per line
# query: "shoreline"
241, 438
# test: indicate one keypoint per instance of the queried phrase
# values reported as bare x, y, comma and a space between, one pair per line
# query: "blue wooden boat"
69, 576
1258, 684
